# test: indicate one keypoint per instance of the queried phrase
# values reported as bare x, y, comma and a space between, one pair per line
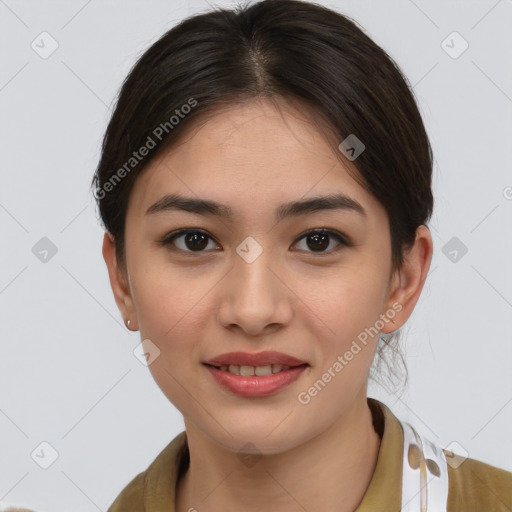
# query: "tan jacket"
473, 486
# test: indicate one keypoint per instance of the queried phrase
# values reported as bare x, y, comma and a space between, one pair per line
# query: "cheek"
348, 308
171, 312
166, 297
343, 305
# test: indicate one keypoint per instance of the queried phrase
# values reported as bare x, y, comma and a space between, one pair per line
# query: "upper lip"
260, 359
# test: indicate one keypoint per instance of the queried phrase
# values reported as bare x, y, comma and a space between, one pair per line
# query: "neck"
337, 466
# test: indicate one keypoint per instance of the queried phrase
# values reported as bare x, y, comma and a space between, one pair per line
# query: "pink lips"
252, 385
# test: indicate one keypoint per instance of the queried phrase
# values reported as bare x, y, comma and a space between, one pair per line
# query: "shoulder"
155, 485
475, 486
131, 498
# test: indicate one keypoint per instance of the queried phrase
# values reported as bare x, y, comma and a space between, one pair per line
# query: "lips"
260, 359
255, 375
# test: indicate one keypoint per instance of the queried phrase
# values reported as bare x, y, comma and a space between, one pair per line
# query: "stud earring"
128, 323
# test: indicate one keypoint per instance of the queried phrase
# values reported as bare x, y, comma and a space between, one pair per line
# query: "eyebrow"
172, 202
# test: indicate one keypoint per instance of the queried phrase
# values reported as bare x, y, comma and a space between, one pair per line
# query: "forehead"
250, 156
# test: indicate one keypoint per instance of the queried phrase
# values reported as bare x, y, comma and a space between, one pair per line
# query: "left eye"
319, 240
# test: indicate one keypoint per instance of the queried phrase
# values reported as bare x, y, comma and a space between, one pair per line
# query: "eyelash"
168, 240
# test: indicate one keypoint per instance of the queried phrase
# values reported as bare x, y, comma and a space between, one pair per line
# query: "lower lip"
252, 386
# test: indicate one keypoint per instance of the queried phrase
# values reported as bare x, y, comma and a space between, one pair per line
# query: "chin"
255, 443
257, 435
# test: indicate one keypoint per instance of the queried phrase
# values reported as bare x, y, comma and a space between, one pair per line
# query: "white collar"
424, 474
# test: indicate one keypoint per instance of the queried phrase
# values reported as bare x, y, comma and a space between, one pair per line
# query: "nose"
254, 297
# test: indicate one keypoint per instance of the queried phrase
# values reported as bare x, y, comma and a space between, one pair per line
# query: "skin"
254, 157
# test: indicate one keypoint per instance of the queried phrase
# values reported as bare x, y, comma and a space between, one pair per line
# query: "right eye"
187, 240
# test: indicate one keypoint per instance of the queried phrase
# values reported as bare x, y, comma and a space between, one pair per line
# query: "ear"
119, 282
408, 281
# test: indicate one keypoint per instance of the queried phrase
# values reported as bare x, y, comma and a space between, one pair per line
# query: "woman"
265, 185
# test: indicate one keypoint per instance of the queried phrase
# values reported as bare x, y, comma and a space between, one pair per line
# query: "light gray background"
68, 375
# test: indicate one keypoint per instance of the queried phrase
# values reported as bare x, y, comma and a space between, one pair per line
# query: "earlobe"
118, 282
409, 279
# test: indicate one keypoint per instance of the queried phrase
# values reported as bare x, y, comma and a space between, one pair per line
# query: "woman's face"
255, 283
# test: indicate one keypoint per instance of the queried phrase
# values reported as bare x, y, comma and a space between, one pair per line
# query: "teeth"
233, 368
260, 371
246, 371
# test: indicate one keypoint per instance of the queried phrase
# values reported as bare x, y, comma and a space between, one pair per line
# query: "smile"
255, 382
259, 371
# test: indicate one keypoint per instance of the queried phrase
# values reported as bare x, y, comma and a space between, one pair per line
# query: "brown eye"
188, 240
317, 241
